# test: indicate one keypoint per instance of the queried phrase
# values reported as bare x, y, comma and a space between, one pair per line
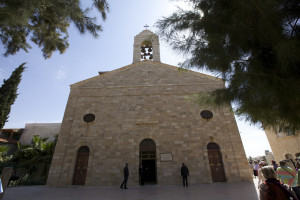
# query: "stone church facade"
140, 114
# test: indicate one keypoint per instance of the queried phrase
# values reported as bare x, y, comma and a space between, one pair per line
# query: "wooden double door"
216, 163
81, 166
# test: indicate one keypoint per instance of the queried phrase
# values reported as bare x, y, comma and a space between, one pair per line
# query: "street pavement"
226, 191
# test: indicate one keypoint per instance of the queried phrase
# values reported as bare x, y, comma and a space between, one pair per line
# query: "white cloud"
174, 5
60, 74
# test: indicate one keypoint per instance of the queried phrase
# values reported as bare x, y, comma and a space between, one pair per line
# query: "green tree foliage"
8, 93
253, 45
3, 152
40, 152
46, 23
250, 159
32, 162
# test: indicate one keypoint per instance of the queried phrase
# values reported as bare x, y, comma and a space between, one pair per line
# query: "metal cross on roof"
146, 26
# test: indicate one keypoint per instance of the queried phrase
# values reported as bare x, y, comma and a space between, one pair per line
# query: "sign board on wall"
166, 157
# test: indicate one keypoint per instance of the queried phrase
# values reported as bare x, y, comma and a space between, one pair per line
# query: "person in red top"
274, 189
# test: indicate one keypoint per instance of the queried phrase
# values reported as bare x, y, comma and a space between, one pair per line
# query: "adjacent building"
44, 130
10, 138
285, 145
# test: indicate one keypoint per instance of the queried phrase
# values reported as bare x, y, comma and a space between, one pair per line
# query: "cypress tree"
8, 93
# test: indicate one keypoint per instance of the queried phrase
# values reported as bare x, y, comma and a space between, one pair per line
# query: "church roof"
146, 32
158, 64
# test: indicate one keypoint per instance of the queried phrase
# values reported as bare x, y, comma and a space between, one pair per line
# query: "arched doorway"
215, 162
81, 165
148, 159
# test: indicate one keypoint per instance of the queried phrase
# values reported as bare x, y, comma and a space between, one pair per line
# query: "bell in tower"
146, 47
146, 50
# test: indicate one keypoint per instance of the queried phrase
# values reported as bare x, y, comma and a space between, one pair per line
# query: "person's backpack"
274, 192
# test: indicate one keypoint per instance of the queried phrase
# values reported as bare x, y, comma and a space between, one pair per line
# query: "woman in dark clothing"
275, 165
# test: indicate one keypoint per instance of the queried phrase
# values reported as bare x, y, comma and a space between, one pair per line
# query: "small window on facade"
289, 132
206, 114
89, 117
281, 132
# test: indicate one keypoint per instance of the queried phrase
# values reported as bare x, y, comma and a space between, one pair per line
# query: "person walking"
274, 189
255, 168
126, 174
297, 181
184, 174
275, 165
260, 176
286, 174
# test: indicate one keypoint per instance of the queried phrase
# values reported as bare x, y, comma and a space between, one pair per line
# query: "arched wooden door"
148, 159
81, 165
216, 163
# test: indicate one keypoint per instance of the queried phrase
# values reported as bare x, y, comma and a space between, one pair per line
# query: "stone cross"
146, 26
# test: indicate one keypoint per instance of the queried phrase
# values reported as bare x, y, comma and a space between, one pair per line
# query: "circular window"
89, 118
206, 114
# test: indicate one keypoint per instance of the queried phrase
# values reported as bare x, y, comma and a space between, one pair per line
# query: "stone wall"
145, 101
283, 145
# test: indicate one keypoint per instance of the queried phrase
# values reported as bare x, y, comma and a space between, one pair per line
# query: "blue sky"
44, 89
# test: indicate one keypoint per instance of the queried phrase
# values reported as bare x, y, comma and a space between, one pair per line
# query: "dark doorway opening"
149, 171
148, 159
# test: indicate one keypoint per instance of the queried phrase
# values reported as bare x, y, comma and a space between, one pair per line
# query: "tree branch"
293, 28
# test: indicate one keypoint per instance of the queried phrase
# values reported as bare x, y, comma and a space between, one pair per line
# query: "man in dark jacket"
184, 174
126, 174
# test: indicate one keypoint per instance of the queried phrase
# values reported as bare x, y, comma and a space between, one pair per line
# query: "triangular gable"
147, 73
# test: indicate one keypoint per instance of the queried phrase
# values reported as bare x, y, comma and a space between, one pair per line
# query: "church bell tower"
146, 47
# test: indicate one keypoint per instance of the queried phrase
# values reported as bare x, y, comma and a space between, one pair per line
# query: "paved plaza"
230, 191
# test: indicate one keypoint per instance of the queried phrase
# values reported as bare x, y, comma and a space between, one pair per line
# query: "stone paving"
230, 191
